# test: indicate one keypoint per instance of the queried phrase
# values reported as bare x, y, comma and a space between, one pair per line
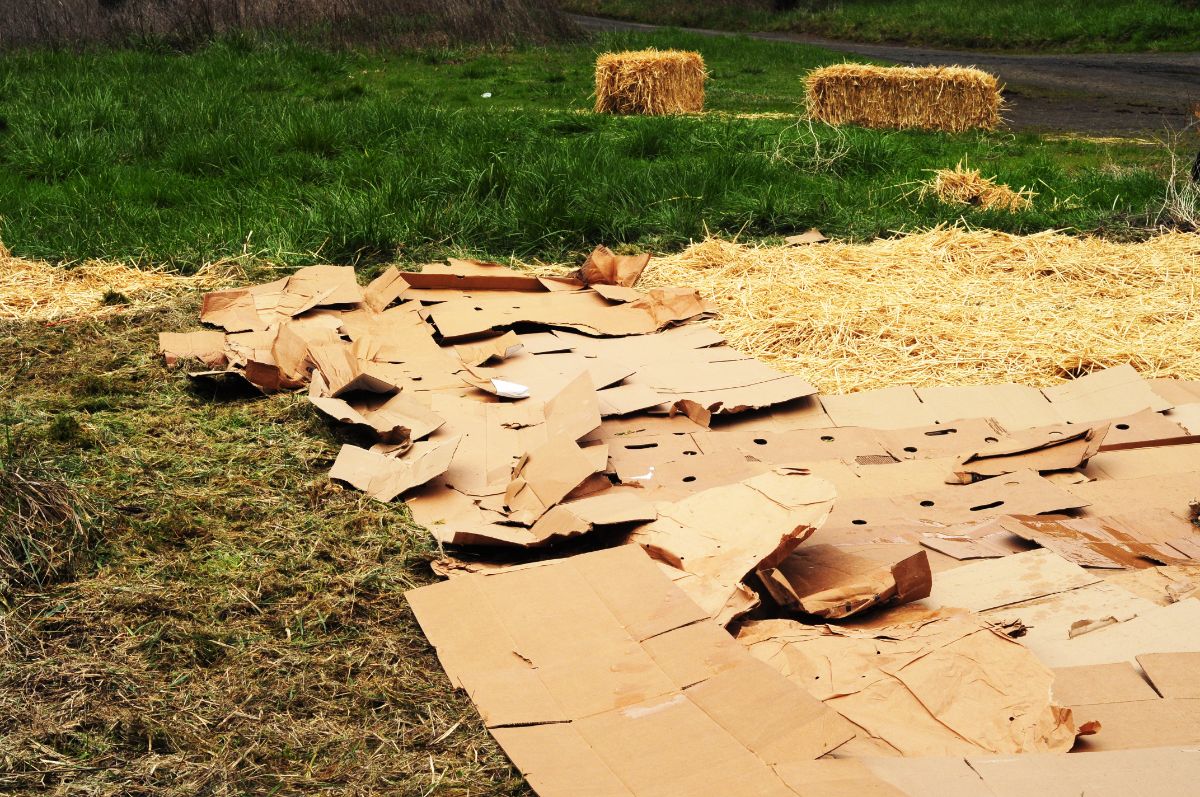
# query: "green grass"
297, 156
1068, 25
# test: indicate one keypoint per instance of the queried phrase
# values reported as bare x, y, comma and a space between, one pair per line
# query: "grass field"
296, 155
1069, 25
237, 626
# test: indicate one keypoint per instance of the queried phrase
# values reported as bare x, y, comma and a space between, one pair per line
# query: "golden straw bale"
32, 290
650, 82
950, 98
963, 186
952, 306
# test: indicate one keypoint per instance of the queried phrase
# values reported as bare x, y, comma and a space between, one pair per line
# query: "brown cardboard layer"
644, 664
943, 685
1058, 447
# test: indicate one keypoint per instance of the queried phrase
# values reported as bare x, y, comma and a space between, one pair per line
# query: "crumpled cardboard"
1057, 447
725, 533
644, 664
395, 419
827, 582
384, 477
602, 267
945, 685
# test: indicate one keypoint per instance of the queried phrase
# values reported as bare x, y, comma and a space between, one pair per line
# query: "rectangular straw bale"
650, 82
949, 98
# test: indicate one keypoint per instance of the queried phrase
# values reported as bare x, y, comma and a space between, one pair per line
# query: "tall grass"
189, 22
301, 155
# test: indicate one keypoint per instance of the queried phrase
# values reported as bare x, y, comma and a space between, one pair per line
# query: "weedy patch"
242, 629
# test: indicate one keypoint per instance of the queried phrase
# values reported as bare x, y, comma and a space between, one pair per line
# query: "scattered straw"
963, 186
650, 82
950, 98
952, 306
33, 290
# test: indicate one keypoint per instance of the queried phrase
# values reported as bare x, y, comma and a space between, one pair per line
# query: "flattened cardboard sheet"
1173, 674
1103, 395
992, 583
1093, 684
644, 664
887, 408
205, 345
1014, 407
1059, 447
383, 477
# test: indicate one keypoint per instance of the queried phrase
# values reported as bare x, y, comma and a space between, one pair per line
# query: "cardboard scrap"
725, 533
992, 583
813, 236
1049, 448
1103, 395
1173, 674
384, 477
206, 345
827, 582
602, 267
643, 664
943, 685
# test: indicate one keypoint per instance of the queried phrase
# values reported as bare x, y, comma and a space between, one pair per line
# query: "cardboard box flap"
382, 477
1173, 674
1146, 428
1103, 395
602, 267
828, 582
886, 408
1118, 773
392, 419
726, 532
1057, 447
1015, 407
543, 477
385, 289
495, 349
1092, 684
992, 583
205, 345
627, 399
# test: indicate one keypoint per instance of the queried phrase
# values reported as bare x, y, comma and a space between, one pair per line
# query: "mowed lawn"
297, 156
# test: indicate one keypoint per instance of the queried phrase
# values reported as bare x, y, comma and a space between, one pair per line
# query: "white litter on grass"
486, 95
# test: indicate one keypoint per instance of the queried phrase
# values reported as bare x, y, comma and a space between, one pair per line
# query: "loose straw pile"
950, 98
952, 307
650, 82
963, 186
32, 290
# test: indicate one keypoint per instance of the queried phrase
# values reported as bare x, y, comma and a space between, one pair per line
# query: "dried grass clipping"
33, 290
949, 98
953, 306
652, 82
964, 186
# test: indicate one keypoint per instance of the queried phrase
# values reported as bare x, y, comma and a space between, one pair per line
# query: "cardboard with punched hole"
581, 667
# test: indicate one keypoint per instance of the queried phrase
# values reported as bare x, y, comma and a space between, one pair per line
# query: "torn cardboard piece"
205, 345
543, 477
602, 267
383, 477
1103, 543
1058, 447
727, 532
825, 581
395, 419
813, 236
644, 664
943, 685
494, 349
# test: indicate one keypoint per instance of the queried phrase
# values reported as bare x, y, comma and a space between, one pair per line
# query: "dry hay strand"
33, 290
949, 98
43, 527
654, 82
952, 306
964, 186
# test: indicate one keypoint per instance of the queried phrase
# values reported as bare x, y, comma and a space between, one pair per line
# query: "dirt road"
1132, 93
